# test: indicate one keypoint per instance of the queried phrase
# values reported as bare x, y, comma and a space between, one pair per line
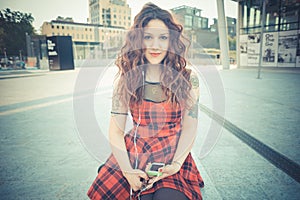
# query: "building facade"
89, 40
110, 13
277, 44
231, 26
104, 33
196, 29
190, 17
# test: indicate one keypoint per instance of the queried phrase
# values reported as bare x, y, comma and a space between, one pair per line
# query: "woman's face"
156, 41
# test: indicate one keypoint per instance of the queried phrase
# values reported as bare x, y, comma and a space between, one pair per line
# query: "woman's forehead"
156, 26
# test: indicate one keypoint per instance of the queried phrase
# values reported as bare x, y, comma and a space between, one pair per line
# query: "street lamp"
32, 50
20, 51
5, 57
263, 18
106, 45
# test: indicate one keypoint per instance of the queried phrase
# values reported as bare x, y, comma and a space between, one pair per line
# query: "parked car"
4, 62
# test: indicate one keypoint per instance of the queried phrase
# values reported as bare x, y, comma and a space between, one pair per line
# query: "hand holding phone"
153, 170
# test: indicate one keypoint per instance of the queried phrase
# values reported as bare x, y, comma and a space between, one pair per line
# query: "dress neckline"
153, 83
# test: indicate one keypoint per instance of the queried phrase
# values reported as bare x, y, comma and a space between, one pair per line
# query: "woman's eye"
147, 37
164, 37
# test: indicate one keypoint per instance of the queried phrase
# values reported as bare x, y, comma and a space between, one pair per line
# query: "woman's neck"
153, 73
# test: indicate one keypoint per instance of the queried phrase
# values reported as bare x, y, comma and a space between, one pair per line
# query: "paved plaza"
45, 152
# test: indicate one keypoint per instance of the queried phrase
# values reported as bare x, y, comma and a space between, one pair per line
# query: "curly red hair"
174, 78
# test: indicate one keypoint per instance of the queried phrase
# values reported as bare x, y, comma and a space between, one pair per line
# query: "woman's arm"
117, 142
188, 134
189, 125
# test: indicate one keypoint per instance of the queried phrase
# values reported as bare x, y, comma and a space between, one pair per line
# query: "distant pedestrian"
153, 159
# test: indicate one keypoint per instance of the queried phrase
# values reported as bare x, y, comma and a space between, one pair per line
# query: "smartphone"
153, 171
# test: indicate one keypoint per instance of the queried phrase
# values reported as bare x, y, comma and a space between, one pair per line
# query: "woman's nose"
155, 44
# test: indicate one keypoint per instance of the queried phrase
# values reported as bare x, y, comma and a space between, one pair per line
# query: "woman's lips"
155, 54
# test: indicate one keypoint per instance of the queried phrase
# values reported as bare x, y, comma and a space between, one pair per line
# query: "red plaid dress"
156, 140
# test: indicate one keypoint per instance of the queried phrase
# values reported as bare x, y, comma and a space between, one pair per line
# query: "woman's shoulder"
193, 73
116, 80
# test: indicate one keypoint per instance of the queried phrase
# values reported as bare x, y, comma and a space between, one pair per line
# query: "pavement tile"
42, 157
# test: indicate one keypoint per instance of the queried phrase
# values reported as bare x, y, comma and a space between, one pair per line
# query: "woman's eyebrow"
159, 34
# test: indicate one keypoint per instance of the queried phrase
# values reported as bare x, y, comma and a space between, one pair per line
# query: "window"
188, 11
204, 23
57, 27
289, 13
52, 26
188, 20
198, 22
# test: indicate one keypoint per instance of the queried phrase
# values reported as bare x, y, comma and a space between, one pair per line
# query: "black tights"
165, 194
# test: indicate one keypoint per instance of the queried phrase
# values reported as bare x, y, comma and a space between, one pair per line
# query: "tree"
13, 27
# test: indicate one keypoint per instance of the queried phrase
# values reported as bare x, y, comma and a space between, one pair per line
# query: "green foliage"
13, 27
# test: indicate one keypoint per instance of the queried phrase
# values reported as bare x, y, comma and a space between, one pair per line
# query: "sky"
47, 10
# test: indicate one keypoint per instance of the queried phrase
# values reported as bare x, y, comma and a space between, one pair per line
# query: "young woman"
154, 86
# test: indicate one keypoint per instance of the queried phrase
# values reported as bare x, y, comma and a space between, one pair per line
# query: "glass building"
279, 45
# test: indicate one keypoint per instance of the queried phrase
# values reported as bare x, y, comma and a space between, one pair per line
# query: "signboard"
287, 48
269, 49
52, 53
243, 50
298, 51
60, 52
253, 49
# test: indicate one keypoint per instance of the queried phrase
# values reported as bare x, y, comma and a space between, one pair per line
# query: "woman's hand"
166, 171
134, 178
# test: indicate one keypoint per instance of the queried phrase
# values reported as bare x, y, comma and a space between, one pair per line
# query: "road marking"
279, 160
43, 105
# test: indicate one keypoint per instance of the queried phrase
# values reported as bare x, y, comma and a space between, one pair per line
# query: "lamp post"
20, 51
31, 49
106, 45
5, 57
261, 36
106, 34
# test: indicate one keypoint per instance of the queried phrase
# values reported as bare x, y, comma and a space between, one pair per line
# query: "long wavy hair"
131, 61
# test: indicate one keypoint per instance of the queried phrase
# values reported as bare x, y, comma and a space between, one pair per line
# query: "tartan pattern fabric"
157, 135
